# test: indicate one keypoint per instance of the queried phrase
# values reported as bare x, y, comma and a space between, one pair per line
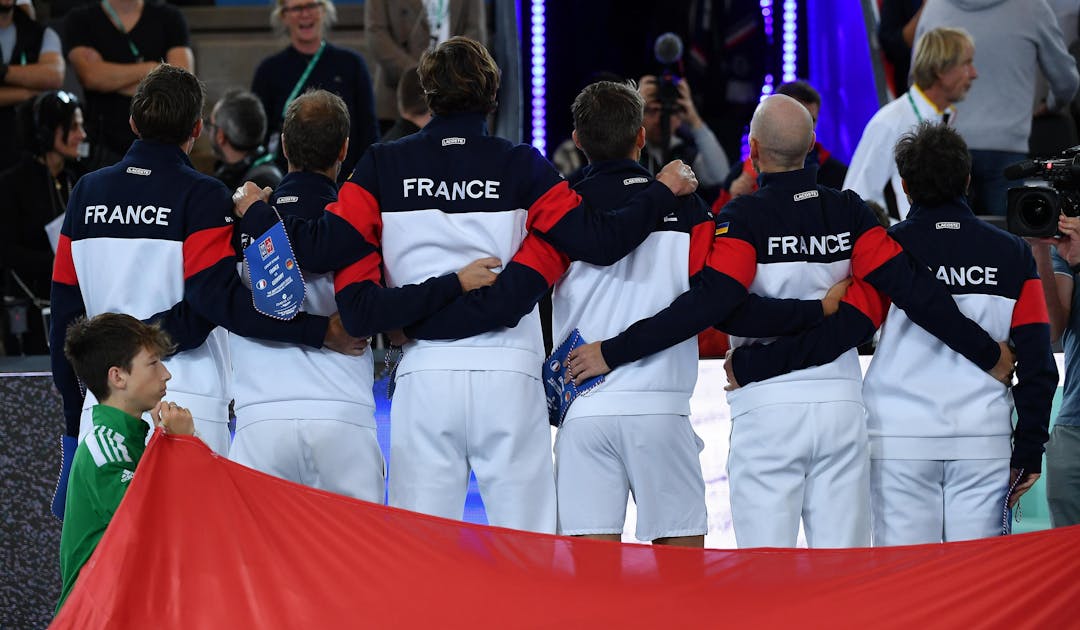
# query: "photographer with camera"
1058, 260
689, 138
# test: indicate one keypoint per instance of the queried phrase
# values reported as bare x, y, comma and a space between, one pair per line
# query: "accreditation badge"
277, 287
558, 387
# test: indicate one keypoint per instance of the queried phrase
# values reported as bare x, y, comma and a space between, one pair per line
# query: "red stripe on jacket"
551, 207
869, 302
734, 257
539, 255
701, 240
1030, 307
64, 265
367, 268
206, 248
873, 249
360, 210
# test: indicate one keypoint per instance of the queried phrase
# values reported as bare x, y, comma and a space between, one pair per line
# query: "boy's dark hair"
315, 127
607, 117
459, 76
410, 96
934, 161
167, 104
240, 115
800, 91
94, 345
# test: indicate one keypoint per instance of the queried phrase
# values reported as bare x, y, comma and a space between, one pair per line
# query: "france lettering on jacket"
148, 214
827, 244
471, 189
963, 276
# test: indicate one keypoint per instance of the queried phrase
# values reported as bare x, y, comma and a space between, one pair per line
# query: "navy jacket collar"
308, 181
447, 125
151, 152
802, 179
623, 167
955, 209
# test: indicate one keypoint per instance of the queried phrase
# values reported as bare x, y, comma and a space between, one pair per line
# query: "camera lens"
1036, 211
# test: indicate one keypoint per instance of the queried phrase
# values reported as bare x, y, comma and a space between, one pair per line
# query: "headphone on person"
49, 110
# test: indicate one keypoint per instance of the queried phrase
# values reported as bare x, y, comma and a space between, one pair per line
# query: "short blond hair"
279, 27
937, 51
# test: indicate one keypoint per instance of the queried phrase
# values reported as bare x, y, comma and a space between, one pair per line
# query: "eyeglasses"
300, 8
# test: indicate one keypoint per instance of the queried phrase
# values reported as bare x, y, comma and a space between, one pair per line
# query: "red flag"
201, 542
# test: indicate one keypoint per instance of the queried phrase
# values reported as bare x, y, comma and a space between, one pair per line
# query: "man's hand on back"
478, 273
338, 340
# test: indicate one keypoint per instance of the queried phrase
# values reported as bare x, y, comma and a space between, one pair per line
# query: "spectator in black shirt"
112, 45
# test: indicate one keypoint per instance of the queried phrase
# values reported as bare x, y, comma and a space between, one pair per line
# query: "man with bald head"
798, 445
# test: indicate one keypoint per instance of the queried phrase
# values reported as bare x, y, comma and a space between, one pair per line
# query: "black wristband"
3, 71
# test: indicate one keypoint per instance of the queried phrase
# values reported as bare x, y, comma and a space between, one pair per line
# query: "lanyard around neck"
114, 17
303, 78
914, 108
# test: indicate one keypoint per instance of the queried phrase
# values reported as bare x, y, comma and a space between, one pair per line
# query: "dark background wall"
30, 428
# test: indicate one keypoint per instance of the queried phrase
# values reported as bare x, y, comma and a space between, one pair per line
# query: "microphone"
1025, 168
668, 48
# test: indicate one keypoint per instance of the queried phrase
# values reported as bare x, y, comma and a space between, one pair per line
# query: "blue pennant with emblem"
277, 287
558, 388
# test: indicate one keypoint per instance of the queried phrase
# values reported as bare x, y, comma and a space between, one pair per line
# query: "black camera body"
668, 91
1033, 210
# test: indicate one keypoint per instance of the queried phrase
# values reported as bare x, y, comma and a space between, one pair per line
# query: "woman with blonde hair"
311, 62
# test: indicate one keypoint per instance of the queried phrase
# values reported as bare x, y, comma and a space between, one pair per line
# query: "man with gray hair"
237, 129
799, 446
943, 71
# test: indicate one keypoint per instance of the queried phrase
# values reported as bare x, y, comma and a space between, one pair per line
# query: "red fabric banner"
201, 542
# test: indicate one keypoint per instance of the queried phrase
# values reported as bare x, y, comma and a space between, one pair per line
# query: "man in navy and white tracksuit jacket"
308, 414
151, 235
942, 444
428, 202
798, 441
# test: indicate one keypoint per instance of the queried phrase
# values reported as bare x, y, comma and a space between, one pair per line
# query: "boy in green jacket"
118, 358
